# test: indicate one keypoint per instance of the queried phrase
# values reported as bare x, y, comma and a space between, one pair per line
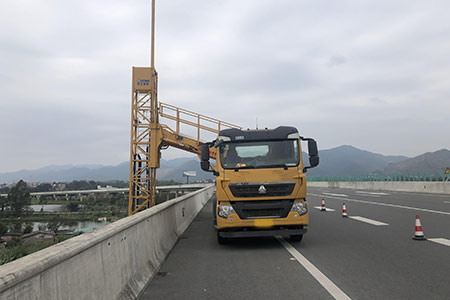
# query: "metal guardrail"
198, 121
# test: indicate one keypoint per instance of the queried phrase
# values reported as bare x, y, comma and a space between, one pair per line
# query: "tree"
3, 203
54, 225
3, 229
28, 229
77, 185
73, 207
19, 197
43, 187
14, 242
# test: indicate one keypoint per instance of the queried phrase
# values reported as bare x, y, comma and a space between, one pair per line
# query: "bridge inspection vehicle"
260, 183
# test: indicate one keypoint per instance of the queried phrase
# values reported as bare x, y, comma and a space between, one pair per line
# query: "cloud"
374, 75
337, 60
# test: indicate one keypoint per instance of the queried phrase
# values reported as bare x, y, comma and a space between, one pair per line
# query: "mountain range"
350, 161
430, 162
340, 161
169, 170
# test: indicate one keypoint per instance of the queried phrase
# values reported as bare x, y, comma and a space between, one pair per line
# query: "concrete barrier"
114, 262
401, 186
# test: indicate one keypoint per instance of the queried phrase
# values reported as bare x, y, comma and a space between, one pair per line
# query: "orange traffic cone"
323, 208
344, 210
418, 233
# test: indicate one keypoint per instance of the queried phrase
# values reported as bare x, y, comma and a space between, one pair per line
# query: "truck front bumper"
234, 223
257, 233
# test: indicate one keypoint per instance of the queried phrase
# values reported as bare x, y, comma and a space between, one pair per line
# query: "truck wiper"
274, 166
244, 167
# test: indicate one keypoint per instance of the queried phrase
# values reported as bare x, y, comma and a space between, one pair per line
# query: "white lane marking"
334, 291
339, 195
328, 209
446, 201
373, 222
441, 241
387, 204
368, 195
372, 193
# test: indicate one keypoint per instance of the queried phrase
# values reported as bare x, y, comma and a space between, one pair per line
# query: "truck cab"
260, 182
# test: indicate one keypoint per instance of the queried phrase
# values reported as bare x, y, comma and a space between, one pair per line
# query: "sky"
372, 74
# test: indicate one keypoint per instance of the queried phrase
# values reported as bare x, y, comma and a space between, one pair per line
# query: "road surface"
370, 255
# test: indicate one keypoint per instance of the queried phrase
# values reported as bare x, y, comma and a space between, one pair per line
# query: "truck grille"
254, 189
262, 209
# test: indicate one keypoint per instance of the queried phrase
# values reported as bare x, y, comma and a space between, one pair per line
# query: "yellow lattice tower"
148, 135
144, 159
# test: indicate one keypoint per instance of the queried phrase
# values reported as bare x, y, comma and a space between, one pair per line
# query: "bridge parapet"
114, 262
437, 187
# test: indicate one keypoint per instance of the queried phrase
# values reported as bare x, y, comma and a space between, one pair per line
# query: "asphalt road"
360, 259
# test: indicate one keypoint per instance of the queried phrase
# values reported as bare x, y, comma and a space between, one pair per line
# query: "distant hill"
430, 162
57, 173
68, 173
349, 161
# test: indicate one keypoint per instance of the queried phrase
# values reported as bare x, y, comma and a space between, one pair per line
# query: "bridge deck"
364, 260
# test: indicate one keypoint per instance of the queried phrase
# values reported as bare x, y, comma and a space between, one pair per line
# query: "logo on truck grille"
262, 190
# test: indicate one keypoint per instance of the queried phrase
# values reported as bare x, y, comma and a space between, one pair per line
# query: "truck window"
246, 151
267, 154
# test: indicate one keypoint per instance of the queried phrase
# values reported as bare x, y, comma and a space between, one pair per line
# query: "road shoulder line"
334, 291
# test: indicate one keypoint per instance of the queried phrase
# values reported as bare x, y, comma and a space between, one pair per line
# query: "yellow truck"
260, 182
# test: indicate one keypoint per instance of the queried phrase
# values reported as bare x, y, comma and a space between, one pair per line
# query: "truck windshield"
253, 155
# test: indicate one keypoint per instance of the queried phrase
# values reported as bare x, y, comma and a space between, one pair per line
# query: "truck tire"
222, 240
296, 238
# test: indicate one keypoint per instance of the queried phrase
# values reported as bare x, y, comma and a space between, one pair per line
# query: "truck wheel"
222, 240
296, 238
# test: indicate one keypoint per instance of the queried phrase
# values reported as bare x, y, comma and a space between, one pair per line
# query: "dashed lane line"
369, 221
368, 195
328, 209
334, 291
372, 193
338, 195
441, 241
387, 204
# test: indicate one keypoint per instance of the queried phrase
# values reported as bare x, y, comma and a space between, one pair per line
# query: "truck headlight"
299, 207
225, 210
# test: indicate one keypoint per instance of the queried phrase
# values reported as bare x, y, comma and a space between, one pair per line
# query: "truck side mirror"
204, 164
312, 148
204, 152
314, 161
204, 159
313, 153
